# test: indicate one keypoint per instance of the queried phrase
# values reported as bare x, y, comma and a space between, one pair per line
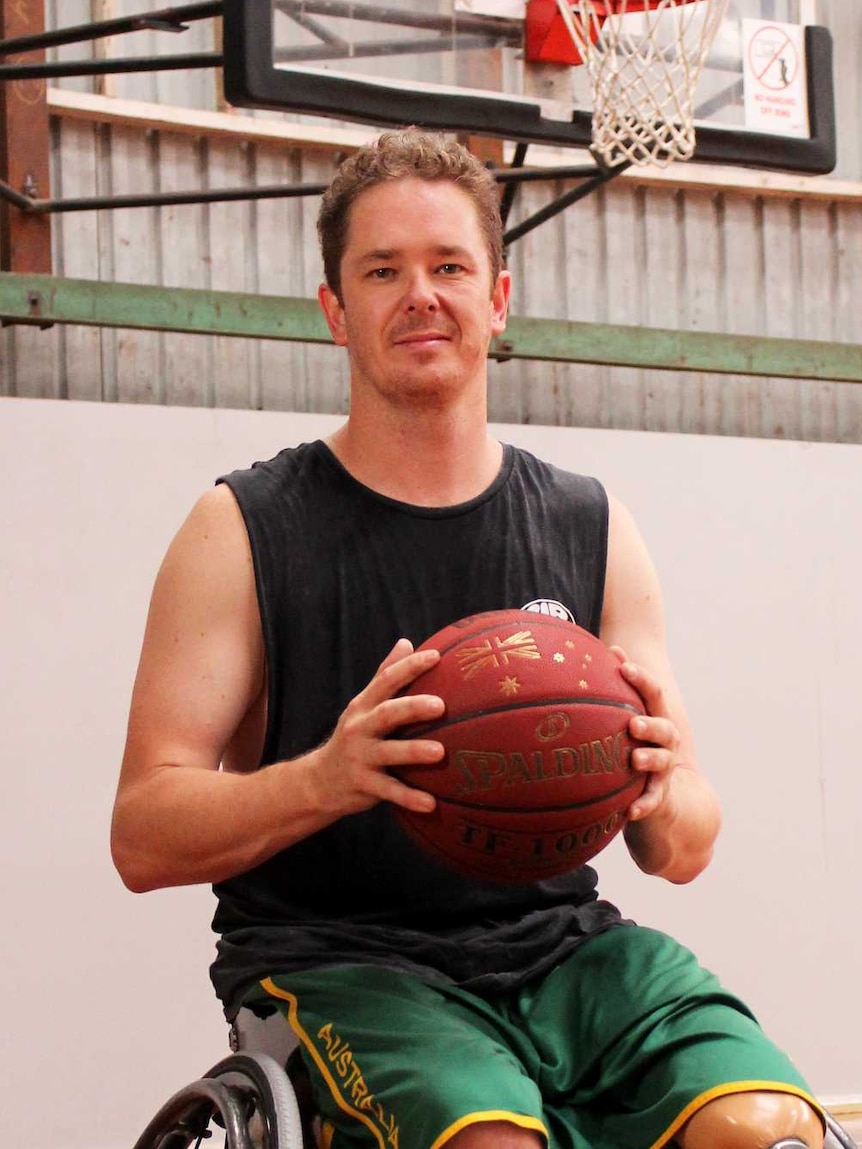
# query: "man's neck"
428, 462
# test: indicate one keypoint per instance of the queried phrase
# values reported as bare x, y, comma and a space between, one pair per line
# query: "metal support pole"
41, 300
155, 199
99, 67
508, 196
165, 19
37, 206
600, 176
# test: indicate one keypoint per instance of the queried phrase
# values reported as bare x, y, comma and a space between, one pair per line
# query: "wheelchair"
259, 1097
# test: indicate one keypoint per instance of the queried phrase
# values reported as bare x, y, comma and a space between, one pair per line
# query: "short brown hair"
415, 154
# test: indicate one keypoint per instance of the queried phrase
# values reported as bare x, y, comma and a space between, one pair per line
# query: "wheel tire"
275, 1113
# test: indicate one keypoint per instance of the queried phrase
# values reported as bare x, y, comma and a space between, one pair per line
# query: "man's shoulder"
283, 467
554, 476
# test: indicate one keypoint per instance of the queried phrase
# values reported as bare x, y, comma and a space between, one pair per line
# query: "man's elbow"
678, 867
685, 870
678, 857
689, 862
135, 876
138, 867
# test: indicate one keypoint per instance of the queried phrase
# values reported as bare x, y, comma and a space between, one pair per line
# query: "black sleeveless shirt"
341, 573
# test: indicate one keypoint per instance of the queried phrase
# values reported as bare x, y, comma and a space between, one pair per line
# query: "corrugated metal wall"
698, 261
661, 256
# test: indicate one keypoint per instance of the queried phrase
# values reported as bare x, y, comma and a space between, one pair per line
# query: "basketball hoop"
644, 58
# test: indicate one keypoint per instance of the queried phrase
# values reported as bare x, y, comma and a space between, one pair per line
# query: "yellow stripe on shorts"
490, 1115
293, 1019
726, 1091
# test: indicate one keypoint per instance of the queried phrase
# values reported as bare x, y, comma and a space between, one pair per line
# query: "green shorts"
616, 1048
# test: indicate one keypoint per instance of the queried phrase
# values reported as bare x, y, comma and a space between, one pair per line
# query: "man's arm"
178, 817
673, 825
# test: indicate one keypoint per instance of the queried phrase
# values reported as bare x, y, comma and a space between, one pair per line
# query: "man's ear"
500, 302
333, 313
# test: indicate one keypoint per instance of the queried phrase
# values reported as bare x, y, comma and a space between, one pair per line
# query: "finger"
652, 760
389, 789
646, 686
397, 753
404, 711
402, 648
648, 802
657, 731
619, 652
396, 674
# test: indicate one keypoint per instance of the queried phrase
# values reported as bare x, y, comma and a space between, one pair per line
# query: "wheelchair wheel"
247, 1095
272, 1113
836, 1137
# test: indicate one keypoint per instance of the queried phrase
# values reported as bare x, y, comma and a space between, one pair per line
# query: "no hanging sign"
775, 78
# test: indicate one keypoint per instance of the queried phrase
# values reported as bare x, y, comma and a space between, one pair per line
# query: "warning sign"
775, 79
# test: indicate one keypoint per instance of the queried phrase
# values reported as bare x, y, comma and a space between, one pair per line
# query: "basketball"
537, 775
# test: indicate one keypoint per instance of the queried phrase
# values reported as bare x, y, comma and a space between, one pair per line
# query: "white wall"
108, 1007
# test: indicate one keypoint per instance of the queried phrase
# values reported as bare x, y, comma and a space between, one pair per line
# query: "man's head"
409, 154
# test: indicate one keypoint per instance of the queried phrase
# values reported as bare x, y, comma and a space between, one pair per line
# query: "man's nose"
421, 294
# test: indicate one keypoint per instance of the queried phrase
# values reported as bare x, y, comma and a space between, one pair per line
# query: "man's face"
418, 307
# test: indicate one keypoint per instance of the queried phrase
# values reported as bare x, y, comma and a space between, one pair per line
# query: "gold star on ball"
510, 686
559, 657
583, 684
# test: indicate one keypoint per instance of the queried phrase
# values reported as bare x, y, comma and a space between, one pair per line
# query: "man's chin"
429, 389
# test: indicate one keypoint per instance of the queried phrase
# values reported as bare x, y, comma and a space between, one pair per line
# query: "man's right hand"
351, 767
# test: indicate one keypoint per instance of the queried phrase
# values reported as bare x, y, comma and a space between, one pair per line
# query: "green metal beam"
45, 300
656, 348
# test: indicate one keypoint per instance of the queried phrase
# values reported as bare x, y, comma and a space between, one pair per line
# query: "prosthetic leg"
741, 1120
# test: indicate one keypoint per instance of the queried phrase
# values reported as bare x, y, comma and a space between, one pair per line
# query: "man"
433, 1010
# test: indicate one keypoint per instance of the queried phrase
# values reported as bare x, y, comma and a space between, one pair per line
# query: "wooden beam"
66, 103
482, 70
25, 240
106, 84
233, 126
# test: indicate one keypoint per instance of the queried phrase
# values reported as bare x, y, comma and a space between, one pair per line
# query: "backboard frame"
252, 80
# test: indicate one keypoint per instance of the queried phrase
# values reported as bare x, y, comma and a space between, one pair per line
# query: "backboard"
765, 97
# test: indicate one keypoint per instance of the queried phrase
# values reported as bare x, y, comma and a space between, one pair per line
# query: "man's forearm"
676, 842
183, 825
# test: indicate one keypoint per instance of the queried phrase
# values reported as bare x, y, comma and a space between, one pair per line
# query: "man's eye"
451, 268
381, 272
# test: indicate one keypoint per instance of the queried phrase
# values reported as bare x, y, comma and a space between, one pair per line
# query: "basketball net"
643, 58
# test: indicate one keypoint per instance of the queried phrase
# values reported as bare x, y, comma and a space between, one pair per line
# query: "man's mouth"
422, 337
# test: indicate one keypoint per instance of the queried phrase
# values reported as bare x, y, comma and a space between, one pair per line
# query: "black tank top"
341, 573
